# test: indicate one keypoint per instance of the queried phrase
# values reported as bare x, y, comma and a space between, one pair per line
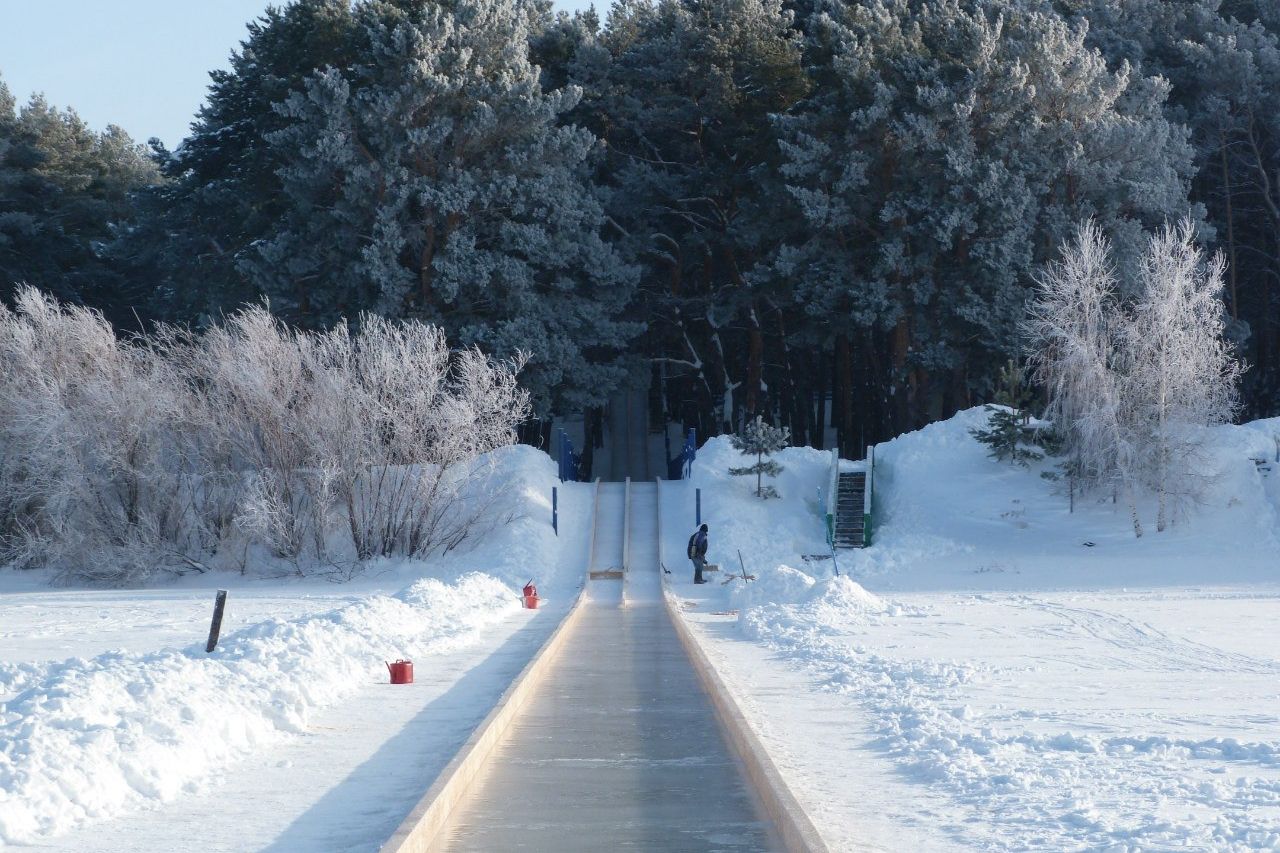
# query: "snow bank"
521, 545
89, 738
947, 516
92, 738
1042, 720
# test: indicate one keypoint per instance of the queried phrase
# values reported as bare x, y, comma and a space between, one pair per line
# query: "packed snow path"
607, 543
618, 749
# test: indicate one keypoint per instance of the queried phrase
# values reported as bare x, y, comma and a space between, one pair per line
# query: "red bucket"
401, 672
531, 596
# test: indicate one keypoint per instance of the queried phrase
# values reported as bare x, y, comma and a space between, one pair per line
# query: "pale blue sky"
141, 64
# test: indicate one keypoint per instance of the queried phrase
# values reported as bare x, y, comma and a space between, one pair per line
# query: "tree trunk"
900, 348
820, 391
1231, 230
755, 360
844, 392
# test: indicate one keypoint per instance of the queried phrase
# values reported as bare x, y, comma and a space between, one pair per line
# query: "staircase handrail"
868, 504
568, 467
833, 487
688, 453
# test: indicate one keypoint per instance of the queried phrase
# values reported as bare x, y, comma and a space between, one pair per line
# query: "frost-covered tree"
432, 179
1134, 381
1222, 61
760, 439
1071, 326
1180, 376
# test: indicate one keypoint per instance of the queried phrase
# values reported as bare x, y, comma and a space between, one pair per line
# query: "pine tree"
1008, 432
949, 146
760, 439
433, 180
223, 192
64, 188
686, 93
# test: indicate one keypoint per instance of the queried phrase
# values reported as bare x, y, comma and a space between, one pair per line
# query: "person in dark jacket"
698, 553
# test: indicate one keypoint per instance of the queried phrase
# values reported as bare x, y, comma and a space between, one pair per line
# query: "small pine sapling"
1009, 433
763, 440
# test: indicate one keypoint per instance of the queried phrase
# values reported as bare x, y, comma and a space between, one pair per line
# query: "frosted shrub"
94, 477
408, 424
180, 451
256, 397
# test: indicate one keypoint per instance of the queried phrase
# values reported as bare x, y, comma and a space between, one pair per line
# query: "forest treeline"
750, 206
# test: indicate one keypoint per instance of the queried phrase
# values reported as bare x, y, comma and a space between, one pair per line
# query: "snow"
113, 719
980, 678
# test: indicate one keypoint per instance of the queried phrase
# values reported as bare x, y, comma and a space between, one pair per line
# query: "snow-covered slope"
980, 678
948, 515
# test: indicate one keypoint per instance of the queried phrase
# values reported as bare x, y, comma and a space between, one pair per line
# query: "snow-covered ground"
982, 678
994, 673
118, 732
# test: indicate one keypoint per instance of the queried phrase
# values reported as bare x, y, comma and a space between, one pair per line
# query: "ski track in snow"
1158, 650
1037, 786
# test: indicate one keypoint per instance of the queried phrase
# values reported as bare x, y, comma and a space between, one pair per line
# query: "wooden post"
219, 604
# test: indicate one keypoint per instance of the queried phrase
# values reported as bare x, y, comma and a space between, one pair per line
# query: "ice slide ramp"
616, 746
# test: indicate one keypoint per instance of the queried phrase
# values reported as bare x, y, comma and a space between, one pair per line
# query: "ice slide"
617, 747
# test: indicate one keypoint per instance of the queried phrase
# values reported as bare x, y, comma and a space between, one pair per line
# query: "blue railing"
689, 453
569, 461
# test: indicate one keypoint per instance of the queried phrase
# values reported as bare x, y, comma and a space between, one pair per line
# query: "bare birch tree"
1179, 375
1133, 385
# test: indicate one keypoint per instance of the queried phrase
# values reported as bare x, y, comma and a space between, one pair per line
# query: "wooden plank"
606, 575
215, 627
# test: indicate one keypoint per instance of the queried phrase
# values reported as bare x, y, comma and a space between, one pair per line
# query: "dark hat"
703, 528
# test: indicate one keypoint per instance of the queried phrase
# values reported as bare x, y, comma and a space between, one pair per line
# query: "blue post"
697, 502
555, 511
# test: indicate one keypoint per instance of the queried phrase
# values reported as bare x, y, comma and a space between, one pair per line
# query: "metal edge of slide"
792, 824
591, 545
626, 540
421, 830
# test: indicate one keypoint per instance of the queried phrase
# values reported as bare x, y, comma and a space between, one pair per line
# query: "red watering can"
401, 671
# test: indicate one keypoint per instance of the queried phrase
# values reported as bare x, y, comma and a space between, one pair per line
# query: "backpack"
693, 546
